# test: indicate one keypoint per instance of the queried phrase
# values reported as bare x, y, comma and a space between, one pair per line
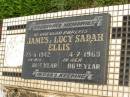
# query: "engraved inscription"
68, 49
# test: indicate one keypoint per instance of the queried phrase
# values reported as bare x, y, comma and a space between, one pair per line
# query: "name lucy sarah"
62, 42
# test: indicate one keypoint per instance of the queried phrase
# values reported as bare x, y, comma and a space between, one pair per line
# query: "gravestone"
67, 49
